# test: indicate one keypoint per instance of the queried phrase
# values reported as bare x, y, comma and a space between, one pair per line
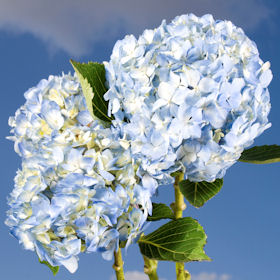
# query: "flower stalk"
178, 208
150, 268
118, 265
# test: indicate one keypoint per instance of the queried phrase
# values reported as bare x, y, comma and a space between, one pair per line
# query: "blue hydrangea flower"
78, 186
190, 95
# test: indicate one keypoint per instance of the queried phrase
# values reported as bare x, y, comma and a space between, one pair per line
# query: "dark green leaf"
92, 78
161, 211
197, 193
181, 240
261, 154
54, 269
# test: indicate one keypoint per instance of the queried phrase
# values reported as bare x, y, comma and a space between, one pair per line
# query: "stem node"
150, 268
118, 265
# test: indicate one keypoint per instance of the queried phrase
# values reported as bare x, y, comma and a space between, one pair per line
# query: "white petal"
215, 115
115, 106
54, 119
159, 103
58, 154
238, 84
148, 35
71, 264
179, 96
149, 183
165, 91
190, 78
156, 138
266, 78
107, 175
193, 131
266, 66
174, 79
207, 85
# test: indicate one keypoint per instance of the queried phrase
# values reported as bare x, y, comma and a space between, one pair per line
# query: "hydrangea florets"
77, 190
191, 94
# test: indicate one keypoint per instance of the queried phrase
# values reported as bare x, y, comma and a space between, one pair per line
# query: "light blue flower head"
78, 188
191, 94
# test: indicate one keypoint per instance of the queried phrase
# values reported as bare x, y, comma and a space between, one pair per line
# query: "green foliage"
54, 269
181, 240
92, 78
197, 193
261, 154
161, 211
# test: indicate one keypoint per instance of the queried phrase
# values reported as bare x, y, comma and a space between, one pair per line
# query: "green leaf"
161, 211
54, 269
92, 78
181, 240
261, 154
197, 193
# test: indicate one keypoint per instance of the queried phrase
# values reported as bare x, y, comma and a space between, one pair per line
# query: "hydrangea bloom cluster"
77, 190
192, 93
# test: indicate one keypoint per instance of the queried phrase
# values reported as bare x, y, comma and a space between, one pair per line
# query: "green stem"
118, 265
180, 271
150, 268
179, 207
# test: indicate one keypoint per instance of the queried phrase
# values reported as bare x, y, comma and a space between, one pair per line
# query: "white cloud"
210, 276
74, 26
136, 275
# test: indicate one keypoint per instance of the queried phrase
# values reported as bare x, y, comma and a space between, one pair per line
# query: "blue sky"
37, 38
